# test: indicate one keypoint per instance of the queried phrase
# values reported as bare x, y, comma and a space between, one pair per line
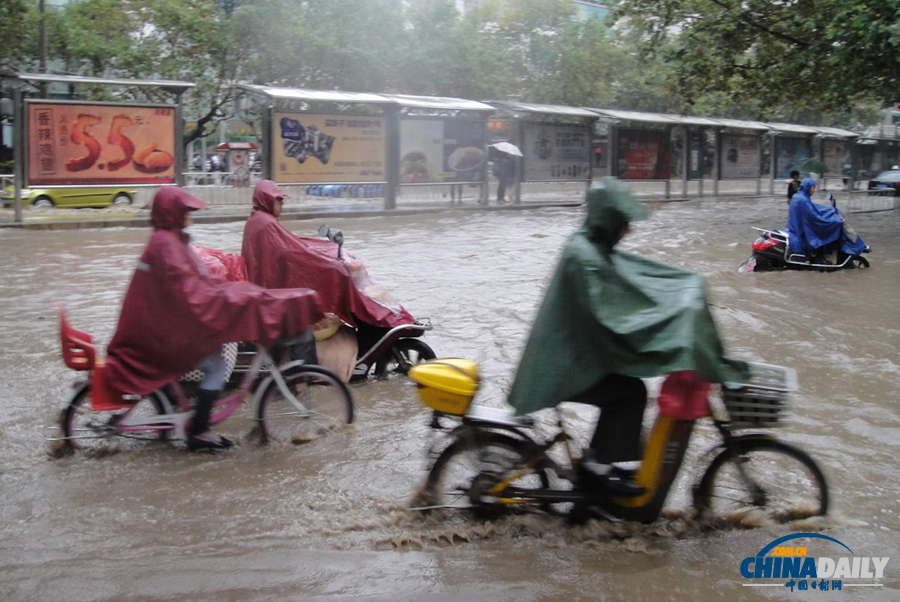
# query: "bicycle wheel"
325, 405
465, 472
405, 354
85, 429
776, 477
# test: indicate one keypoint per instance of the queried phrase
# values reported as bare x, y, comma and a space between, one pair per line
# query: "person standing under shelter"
506, 175
793, 185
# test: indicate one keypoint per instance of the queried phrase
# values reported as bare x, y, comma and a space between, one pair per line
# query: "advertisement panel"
441, 150
740, 157
837, 157
643, 155
556, 152
81, 143
788, 154
310, 147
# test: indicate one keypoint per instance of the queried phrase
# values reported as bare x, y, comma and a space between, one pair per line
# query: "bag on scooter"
684, 396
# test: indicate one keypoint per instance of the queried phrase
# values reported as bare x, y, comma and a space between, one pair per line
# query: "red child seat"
79, 353
78, 349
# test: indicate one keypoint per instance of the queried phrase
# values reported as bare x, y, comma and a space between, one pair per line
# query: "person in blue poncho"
815, 229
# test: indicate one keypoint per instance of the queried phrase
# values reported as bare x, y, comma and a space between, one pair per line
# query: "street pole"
42, 34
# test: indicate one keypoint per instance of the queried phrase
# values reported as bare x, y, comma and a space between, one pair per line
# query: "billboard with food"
556, 152
740, 157
78, 143
311, 147
441, 150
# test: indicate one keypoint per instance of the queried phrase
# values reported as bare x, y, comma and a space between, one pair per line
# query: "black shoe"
208, 441
868, 249
615, 481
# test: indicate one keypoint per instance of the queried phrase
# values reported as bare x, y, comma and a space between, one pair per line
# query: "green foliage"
817, 56
750, 59
14, 20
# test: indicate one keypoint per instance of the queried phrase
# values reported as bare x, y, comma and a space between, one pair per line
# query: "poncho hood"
610, 208
170, 205
265, 196
608, 311
806, 186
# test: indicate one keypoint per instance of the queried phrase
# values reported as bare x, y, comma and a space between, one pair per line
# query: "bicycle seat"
78, 349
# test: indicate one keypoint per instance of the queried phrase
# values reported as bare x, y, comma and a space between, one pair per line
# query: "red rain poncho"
175, 313
278, 258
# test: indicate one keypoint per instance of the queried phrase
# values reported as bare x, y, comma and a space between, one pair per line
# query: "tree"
188, 40
815, 55
15, 19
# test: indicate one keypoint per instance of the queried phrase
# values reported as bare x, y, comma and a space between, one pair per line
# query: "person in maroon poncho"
176, 316
278, 258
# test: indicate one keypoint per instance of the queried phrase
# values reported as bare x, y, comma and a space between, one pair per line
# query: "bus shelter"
639, 147
555, 142
83, 143
327, 137
441, 141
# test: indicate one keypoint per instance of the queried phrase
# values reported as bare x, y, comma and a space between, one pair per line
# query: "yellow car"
69, 197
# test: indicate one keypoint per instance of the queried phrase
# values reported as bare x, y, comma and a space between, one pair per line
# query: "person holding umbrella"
505, 154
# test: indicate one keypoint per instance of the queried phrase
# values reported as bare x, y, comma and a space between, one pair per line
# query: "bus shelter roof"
790, 128
439, 103
109, 81
521, 109
615, 115
315, 95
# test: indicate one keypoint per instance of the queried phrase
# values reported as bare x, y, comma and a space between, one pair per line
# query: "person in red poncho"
176, 315
278, 258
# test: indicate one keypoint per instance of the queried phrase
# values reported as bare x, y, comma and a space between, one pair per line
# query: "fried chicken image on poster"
301, 142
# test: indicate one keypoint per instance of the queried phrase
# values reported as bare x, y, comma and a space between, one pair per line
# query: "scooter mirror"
325, 231
338, 238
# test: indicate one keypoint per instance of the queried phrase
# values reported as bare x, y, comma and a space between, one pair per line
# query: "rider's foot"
610, 479
208, 441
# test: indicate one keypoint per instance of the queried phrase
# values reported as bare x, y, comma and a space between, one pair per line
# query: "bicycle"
295, 402
493, 463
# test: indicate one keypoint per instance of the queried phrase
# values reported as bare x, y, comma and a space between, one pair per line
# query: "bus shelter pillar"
179, 139
717, 161
759, 165
685, 161
19, 148
391, 157
772, 162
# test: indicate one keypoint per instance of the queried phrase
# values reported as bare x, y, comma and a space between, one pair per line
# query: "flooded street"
329, 520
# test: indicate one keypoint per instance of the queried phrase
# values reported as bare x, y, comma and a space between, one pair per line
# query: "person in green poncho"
608, 319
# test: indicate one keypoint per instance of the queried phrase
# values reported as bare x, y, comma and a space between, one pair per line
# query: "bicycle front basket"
762, 402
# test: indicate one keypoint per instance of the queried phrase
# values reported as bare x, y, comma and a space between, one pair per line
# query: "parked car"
69, 197
884, 182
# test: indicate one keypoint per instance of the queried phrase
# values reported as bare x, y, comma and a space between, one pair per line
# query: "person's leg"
214, 370
621, 400
501, 190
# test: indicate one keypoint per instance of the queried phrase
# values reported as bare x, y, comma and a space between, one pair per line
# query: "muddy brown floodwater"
328, 519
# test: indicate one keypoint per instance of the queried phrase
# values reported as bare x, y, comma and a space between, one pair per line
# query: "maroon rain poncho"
278, 258
175, 313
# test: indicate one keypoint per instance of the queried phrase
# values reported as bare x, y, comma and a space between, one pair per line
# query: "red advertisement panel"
643, 155
75, 143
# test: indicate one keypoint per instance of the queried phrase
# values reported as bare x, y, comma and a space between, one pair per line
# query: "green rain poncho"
609, 311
